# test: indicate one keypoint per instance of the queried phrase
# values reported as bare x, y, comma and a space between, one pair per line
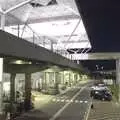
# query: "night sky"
102, 22
99, 65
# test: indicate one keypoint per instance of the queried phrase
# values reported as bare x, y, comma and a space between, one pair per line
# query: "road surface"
72, 105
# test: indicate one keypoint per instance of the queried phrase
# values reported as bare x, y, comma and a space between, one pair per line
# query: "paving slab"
104, 110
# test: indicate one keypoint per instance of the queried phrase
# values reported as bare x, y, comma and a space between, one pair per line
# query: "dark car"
101, 95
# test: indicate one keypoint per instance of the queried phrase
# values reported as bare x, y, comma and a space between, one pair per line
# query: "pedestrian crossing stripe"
81, 101
62, 100
54, 100
86, 101
58, 100
75, 101
67, 100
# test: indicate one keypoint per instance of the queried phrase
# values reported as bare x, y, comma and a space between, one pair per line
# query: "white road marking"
76, 101
67, 100
86, 101
62, 100
54, 100
81, 101
66, 105
58, 100
88, 112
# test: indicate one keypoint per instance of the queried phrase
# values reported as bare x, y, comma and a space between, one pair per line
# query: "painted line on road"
81, 101
72, 101
67, 100
54, 100
76, 101
66, 105
86, 101
62, 100
88, 112
58, 100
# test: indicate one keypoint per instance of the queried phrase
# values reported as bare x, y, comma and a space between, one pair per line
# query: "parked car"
99, 87
101, 95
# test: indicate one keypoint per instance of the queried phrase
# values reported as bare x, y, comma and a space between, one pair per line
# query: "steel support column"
1, 67
17, 6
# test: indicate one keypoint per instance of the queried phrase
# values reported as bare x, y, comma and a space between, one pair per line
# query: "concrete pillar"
2, 25
58, 78
69, 79
12, 87
1, 83
63, 78
75, 77
47, 79
44, 81
118, 72
55, 82
27, 91
79, 78
12, 94
118, 75
54, 78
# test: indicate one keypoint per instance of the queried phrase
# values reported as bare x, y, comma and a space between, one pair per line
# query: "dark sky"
95, 65
102, 21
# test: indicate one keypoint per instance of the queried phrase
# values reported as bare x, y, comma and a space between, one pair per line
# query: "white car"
99, 87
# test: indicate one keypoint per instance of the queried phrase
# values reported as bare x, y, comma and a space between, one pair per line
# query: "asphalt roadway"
73, 105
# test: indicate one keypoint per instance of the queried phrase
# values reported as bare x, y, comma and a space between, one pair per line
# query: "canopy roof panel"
35, 10
46, 22
59, 28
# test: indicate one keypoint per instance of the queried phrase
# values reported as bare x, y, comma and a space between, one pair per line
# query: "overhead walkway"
12, 46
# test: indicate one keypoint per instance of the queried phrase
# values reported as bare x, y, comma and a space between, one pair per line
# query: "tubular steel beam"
17, 6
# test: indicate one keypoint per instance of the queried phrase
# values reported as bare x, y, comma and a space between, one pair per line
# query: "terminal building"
49, 46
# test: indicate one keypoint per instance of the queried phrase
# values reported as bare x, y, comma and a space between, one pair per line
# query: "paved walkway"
104, 111
2, 117
34, 115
